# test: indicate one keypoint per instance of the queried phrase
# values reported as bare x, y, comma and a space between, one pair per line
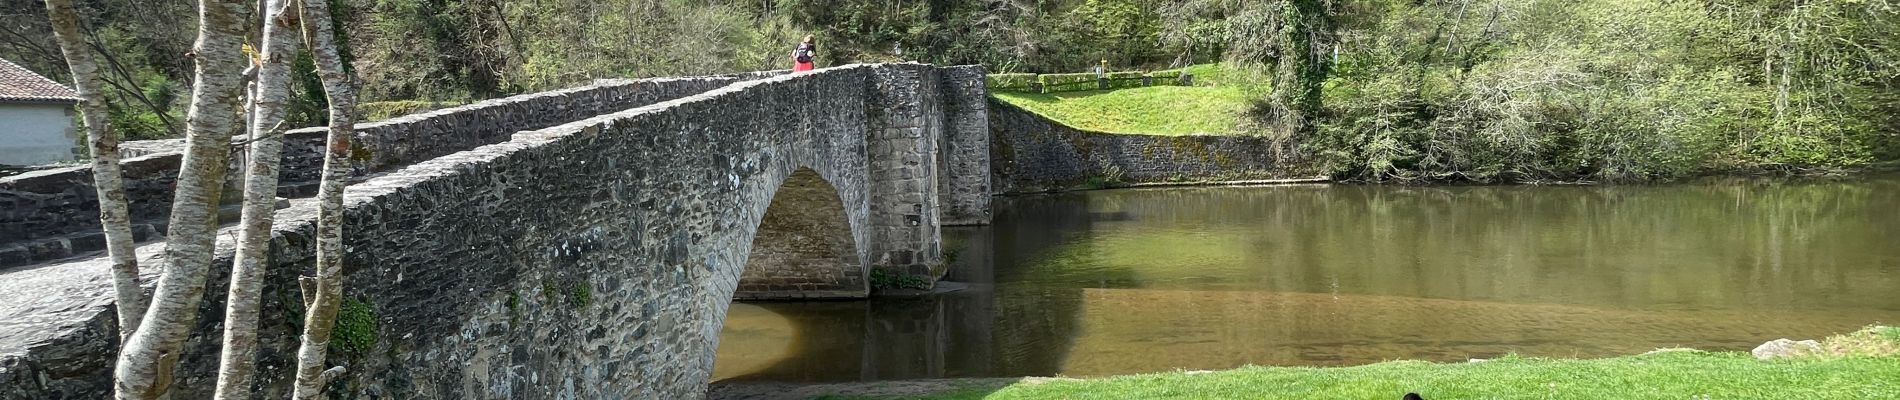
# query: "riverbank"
1032, 153
1204, 133
1859, 365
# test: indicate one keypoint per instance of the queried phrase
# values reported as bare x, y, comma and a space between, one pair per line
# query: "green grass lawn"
1216, 75
1857, 373
1217, 105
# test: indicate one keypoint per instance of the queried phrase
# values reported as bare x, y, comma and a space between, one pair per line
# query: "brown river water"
1150, 280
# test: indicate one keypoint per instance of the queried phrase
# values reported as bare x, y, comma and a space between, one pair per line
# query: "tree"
327, 285
147, 360
1301, 63
123, 36
1127, 29
268, 103
113, 218
1196, 29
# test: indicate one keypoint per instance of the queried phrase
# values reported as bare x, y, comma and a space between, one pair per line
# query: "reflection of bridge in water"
956, 334
1137, 281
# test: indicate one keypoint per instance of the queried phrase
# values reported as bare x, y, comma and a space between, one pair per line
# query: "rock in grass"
1784, 348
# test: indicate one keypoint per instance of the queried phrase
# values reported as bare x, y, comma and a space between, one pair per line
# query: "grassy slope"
1213, 107
1684, 374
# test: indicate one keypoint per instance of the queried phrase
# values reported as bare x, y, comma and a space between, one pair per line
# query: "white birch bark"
320, 317
147, 361
237, 364
113, 217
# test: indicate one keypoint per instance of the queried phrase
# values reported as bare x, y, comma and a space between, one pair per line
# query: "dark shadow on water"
977, 332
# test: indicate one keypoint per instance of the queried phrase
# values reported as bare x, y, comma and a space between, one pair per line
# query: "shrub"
381, 110
1010, 82
883, 279
1120, 80
355, 326
1052, 83
1170, 77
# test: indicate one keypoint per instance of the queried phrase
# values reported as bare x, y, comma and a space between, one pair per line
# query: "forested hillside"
1610, 89
1489, 90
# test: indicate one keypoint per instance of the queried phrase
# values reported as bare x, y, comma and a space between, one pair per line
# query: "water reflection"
1129, 281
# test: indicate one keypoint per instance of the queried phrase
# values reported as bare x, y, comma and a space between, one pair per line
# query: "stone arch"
594, 259
804, 246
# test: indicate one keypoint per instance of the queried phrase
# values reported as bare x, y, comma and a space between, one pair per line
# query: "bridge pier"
904, 121
964, 167
926, 132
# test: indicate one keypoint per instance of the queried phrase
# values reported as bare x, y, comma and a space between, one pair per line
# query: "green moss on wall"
583, 295
355, 326
885, 279
550, 291
1184, 147
514, 308
359, 152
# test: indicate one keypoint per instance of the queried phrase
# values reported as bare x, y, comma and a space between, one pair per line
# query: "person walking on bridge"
802, 56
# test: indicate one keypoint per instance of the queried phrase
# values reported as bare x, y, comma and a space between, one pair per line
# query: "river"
1148, 280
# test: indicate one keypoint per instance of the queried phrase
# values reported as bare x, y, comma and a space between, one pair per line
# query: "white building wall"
37, 133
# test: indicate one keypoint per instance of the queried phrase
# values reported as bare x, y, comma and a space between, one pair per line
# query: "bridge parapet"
54, 213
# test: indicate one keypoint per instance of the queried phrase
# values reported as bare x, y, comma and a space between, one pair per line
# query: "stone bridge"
588, 259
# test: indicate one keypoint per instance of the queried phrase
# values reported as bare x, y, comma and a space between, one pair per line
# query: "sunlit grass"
1684, 374
1216, 105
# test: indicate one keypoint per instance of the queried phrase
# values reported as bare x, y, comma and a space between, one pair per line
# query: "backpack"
802, 54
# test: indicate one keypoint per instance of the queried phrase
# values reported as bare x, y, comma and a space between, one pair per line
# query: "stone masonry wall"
965, 164
804, 248
594, 259
1031, 153
904, 128
55, 213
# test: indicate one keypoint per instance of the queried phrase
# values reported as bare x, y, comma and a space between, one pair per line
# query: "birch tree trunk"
148, 359
113, 217
322, 305
237, 364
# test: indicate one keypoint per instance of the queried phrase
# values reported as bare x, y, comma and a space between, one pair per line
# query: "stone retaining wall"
1031, 153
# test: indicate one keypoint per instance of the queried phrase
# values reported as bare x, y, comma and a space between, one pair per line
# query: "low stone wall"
55, 213
1031, 153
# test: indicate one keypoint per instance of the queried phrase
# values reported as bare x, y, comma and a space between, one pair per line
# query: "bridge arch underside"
804, 247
